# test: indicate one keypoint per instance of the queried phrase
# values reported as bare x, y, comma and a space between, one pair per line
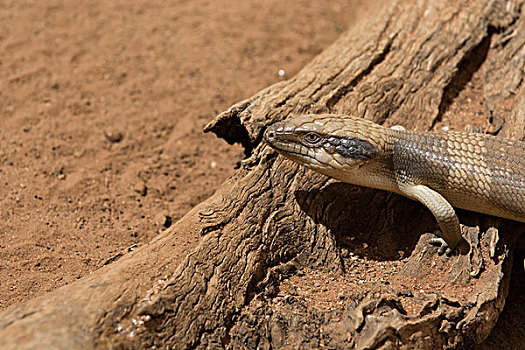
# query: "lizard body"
442, 170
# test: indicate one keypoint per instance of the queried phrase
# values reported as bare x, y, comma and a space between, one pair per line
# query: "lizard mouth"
290, 150
298, 157
302, 155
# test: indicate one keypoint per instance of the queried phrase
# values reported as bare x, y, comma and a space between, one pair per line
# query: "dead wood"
289, 258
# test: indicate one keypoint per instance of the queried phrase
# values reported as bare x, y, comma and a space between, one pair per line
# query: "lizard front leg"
442, 211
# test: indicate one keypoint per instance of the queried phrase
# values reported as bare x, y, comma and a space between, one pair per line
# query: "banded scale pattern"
476, 172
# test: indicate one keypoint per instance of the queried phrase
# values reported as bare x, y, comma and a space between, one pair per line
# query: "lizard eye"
312, 138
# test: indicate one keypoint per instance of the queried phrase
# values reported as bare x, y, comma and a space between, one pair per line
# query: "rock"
162, 219
113, 136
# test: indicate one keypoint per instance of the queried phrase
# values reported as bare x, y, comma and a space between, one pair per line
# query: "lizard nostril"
270, 134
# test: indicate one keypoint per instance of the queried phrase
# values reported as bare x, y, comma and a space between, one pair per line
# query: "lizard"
440, 169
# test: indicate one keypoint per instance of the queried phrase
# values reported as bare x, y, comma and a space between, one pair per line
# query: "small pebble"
113, 136
163, 219
141, 189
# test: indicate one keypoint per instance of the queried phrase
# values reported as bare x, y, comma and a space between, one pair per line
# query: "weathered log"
290, 258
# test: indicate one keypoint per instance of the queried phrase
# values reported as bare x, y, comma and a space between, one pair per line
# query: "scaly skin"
442, 170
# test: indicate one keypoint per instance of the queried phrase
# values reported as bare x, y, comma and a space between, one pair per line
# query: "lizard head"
324, 143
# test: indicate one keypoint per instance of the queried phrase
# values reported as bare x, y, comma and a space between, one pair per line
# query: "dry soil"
102, 105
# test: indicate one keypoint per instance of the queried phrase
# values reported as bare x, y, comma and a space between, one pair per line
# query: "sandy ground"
102, 105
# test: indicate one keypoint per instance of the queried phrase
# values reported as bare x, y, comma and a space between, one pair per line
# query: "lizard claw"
443, 247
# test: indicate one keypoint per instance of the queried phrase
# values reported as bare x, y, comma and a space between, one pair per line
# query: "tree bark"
290, 258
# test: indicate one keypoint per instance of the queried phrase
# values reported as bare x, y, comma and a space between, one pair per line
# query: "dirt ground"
102, 105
